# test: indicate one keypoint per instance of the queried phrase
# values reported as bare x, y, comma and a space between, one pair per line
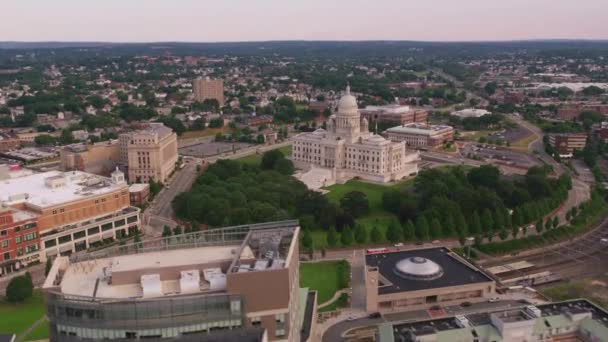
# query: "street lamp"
471, 240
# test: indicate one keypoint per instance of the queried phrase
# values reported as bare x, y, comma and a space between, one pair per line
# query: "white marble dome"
418, 268
348, 103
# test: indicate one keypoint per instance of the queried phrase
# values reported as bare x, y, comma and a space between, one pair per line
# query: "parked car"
350, 318
374, 315
400, 244
465, 304
493, 300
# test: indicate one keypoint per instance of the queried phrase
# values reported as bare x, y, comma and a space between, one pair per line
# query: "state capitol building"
349, 150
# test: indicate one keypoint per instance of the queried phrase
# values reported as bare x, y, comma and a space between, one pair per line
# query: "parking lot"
211, 148
497, 153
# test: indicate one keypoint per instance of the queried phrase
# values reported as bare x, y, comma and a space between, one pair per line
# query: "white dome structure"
418, 268
348, 103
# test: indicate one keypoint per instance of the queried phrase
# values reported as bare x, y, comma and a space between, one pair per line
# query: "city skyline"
267, 20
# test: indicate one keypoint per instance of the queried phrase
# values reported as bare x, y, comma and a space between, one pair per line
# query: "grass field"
523, 143
322, 277
40, 333
16, 318
256, 159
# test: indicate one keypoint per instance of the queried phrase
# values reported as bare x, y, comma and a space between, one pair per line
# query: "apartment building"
206, 88
196, 287
422, 136
74, 209
148, 153
565, 144
19, 239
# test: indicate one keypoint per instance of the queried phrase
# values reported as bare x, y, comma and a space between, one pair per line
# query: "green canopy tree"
360, 234
307, 238
475, 224
422, 228
435, 228
346, 237
394, 231
355, 203
332, 237
409, 231
20, 288
375, 235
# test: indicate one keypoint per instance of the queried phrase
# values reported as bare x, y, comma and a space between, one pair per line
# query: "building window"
29, 237
5, 244
54, 212
31, 248
132, 219
92, 231
7, 256
4, 233
79, 235
29, 225
62, 210
65, 238
50, 243
20, 252
256, 321
119, 223
17, 229
106, 226
17, 239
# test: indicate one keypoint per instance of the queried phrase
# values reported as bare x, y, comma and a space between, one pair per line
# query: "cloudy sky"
247, 20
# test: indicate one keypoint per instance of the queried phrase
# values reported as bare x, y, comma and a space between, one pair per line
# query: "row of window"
91, 231
26, 237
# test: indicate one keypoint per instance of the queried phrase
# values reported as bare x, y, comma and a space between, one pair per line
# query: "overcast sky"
246, 20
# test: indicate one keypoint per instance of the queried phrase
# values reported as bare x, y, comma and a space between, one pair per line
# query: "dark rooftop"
311, 297
455, 271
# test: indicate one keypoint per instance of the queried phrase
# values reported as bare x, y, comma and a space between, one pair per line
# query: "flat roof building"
470, 113
394, 113
413, 279
206, 88
100, 158
575, 320
198, 284
566, 143
420, 135
149, 153
75, 209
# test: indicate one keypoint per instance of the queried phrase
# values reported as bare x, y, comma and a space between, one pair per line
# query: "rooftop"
422, 269
418, 128
70, 186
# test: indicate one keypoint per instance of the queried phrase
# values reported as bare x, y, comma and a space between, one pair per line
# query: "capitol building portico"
347, 149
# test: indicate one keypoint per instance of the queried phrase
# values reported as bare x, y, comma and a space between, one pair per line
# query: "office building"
420, 278
577, 320
422, 136
566, 143
206, 88
199, 285
149, 153
19, 239
99, 158
394, 113
139, 193
74, 209
348, 149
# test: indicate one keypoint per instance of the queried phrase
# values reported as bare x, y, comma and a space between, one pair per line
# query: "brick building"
417, 135
19, 239
565, 144
394, 113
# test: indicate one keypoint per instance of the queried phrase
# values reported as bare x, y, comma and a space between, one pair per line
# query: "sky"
258, 20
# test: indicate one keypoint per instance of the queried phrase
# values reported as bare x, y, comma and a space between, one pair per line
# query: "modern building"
19, 239
419, 278
575, 320
347, 149
470, 113
149, 153
394, 113
74, 209
566, 143
423, 136
200, 285
99, 158
206, 88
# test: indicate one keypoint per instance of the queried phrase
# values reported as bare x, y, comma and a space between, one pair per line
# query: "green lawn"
341, 302
256, 159
40, 333
324, 277
16, 318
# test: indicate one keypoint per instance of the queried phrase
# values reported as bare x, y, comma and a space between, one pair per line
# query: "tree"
490, 88
375, 235
555, 222
460, 223
435, 228
393, 231
216, 123
270, 158
166, 231
475, 224
332, 237
177, 230
20, 288
48, 266
323, 252
409, 231
539, 226
422, 228
346, 237
548, 224
360, 234
284, 166
355, 203
487, 223
448, 228
306, 238
503, 234
45, 140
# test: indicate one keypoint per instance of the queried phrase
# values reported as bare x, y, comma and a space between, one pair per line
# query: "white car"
604, 240
400, 244
493, 300
350, 318
435, 242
